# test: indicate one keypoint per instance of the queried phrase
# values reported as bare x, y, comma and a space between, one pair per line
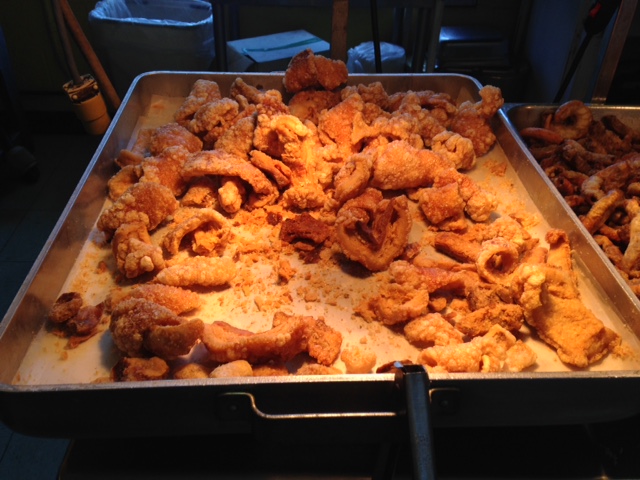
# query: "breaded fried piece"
202, 92
222, 164
165, 168
201, 192
372, 230
358, 359
178, 300
172, 341
432, 329
237, 368
549, 295
190, 371
173, 135
308, 70
198, 270
140, 369
479, 322
134, 251
289, 336
277, 170
139, 326
307, 104
488, 353
238, 138
149, 203
122, 180
204, 219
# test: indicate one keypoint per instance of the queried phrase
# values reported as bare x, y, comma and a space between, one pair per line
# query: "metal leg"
413, 382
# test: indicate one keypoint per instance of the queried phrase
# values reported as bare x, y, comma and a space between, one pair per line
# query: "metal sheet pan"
366, 404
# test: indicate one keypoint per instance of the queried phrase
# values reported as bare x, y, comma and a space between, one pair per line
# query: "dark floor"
28, 212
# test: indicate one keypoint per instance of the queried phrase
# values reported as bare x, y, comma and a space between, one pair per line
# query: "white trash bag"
136, 36
362, 59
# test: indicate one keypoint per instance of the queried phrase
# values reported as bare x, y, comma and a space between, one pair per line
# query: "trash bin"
136, 36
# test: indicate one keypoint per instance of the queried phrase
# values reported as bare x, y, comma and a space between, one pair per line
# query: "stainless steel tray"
358, 405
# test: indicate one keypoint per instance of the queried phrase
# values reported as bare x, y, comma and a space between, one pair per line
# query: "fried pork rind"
275, 169
198, 270
432, 329
472, 120
72, 319
138, 151
201, 192
456, 148
353, 177
237, 368
222, 164
204, 220
140, 369
140, 327
372, 230
304, 232
173, 135
286, 138
178, 300
289, 336
148, 203
480, 321
65, 307
134, 251
497, 259
238, 138
307, 104
335, 127
165, 168
401, 166
307, 70
358, 359
124, 179
488, 353
406, 295
212, 119
202, 92
551, 302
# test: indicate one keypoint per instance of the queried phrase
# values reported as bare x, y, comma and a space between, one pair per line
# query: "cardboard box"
271, 53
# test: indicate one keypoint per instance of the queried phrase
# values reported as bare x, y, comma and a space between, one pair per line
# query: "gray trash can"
136, 36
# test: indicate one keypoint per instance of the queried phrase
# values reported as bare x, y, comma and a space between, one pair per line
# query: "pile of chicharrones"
337, 177
595, 164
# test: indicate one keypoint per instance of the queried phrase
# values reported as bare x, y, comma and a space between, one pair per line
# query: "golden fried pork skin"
199, 270
140, 369
202, 92
65, 307
139, 326
307, 104
432, 329
222, 164
165, 168
491, 352
134, 251
203, 219
178, 300
173, 135
124, 179
550, 298
149, 203
289, 336
373, 230
307, 70
304, 232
